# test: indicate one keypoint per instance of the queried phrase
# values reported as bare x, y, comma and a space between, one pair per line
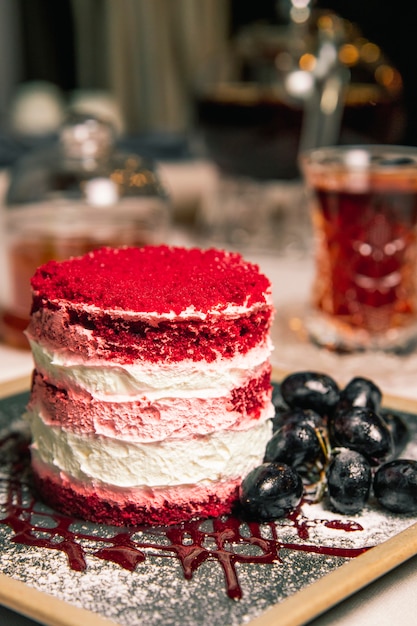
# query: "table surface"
392, 598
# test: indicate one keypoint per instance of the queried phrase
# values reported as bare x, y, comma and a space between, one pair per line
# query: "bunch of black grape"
331, 443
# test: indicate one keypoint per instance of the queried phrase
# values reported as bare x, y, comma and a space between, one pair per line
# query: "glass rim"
360, 157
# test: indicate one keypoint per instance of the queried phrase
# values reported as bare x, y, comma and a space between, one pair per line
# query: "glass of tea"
364, 212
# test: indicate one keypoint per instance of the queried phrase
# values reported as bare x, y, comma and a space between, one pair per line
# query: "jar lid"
84, 136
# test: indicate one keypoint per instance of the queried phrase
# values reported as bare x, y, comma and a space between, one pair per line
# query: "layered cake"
151, 395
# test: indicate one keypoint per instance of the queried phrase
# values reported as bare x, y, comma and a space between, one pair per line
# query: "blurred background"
199, 107
146, 55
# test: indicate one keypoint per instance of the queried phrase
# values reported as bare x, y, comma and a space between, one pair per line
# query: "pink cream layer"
105, 504
143, 420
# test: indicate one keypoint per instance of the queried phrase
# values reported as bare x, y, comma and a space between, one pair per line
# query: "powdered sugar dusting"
185, 575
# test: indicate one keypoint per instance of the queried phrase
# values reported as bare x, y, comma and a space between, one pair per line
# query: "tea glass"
364, 212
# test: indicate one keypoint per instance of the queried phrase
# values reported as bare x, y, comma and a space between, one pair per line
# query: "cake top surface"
160, 279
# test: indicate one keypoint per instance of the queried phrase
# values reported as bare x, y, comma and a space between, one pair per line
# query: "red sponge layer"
95, 509
112, 338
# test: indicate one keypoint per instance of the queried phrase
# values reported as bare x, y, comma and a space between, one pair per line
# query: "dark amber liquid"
366, 257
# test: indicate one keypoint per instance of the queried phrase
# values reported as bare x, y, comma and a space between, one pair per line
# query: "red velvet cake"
151, 395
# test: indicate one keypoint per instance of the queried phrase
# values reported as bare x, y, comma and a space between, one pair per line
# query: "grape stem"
321, 467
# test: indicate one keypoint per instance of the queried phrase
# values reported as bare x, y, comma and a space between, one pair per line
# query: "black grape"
311, 390
363, 430
395, 486
295, 444
360, 392
399, 430
270, 491
298, 416
349, 479
334, 440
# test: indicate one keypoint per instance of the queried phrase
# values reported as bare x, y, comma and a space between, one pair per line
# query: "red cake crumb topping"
157, 279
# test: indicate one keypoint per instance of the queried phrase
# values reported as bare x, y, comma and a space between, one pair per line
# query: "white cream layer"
219, 456
154, 318
185, 379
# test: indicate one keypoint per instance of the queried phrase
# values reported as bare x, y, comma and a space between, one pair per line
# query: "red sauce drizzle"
191, 543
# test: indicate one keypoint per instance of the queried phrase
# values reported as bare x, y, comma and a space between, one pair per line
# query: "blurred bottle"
78, 194
277, 90
258, 102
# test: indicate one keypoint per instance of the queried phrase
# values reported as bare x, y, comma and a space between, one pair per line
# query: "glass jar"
78, 194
